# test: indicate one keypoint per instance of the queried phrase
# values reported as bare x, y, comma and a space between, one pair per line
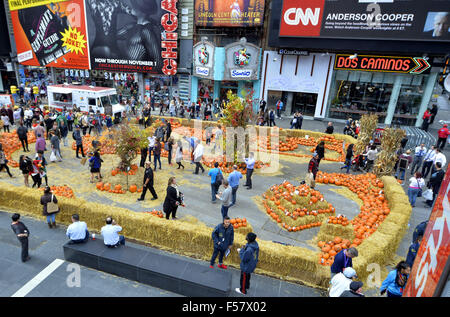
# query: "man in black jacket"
23, 137
22, 234
148, 182
355, 290
223, 238
435, 182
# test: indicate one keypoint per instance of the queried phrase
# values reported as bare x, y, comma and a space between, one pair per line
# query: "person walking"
168, 130
233, 180
419, 154
341, 282
371, 156
443, 134
223, 238
404, 161
435, 183
144, 152
439, 158
157, 153
179, 154
148, 182
22, 133
22, 233
250, 163
225, 197
279, 108
216, 180
198, 155
433, 111
272, 118
168, 147
249, 256
56, 151
95, 164
4, 162
343, 260
6, 123
348, 158
412, 251
428, 161
299, 121
36, 173
40, 143
173, 199
151, 146
313, 166
320, 150
50, 207
426, 119
396, 280
218, 135
64, 131
26, 166
415, 185
78, 141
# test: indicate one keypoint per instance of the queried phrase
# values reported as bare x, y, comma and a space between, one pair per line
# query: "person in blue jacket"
95, 163
216, 180
419, 230
223, 238
412, 251
396, 280
249, 258
342, 260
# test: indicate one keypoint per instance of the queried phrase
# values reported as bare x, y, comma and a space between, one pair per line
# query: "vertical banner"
434, 250
133, 35
51, 34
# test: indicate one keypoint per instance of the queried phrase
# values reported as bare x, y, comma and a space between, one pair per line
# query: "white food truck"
84, 98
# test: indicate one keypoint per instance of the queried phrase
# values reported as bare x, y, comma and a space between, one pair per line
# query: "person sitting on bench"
110, 233
77, 231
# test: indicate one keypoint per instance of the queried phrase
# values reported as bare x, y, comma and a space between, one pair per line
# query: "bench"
151, 267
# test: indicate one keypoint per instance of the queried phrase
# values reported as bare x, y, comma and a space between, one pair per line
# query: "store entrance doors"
305, 103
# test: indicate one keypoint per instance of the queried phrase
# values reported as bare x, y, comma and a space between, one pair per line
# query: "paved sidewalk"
46, 246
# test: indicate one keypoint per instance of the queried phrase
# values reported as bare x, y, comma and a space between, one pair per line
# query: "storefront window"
225, 86
160, 87
205, 89
409, 99
354, 93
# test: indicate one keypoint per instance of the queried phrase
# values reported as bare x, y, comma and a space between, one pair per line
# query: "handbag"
52, 207
428, 194
420, 189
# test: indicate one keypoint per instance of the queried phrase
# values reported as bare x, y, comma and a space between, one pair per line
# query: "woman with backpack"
396, 280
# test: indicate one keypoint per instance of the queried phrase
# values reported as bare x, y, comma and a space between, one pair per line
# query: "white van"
85, 98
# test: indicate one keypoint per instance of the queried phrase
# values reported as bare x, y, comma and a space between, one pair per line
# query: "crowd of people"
53, 127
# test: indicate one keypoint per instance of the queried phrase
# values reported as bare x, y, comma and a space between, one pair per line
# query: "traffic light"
13, 89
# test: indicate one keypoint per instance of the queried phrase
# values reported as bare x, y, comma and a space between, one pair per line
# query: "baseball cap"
354, 286
445, 125
349, 272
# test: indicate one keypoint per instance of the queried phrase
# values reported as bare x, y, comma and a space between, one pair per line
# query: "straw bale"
329, 231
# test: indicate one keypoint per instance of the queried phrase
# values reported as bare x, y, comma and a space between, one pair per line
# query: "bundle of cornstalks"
390, 142
368, 123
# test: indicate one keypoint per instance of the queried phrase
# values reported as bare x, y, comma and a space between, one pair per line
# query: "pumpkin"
107, 186
133, 188
114, 172
99, 185
118, 187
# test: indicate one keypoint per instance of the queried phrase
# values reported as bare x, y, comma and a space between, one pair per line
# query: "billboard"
50, 34
366, 19
427, 278
230, 13
112, 35
133, 35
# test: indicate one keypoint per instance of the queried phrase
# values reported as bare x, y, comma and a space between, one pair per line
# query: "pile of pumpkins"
157, 213
11, 143
238, 222
64, 191
117, 189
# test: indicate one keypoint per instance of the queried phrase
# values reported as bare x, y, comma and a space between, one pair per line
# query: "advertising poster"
428, 272
238, 13
133, 35
50, 33
366, 19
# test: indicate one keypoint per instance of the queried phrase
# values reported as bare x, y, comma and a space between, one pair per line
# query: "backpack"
219, 179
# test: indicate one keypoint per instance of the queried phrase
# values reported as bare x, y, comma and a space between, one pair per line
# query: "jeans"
412, 195
224, 211
51, 218
249, 178
86, 238
157, 158
216, 253
214, 189
402, 173
80, 147
348, 164
121, 242
233, 195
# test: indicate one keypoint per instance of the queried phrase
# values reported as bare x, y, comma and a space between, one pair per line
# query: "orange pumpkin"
133, 188
99, 185
107, 186
118, 187
114, 172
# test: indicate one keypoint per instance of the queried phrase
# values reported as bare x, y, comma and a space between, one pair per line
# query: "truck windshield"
114, 99
105, 101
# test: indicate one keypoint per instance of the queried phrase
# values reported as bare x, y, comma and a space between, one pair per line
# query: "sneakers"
222, 266
238, 291
211, 266
139, 199
153, 198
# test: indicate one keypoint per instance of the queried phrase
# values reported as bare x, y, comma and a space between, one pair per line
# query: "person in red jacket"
426, 120
442, 137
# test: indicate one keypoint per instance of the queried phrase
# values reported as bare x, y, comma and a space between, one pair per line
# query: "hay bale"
329, 231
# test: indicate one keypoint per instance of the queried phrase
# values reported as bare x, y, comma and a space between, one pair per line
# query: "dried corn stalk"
369, 124
390, 142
